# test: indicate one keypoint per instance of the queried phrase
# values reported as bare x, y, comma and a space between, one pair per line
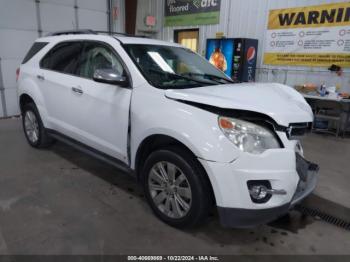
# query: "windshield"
170, 67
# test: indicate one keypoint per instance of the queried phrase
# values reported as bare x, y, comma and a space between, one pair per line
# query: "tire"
195, 191
32, 123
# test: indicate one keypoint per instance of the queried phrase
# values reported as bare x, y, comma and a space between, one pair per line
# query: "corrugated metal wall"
20, 21
248, 18
23, 21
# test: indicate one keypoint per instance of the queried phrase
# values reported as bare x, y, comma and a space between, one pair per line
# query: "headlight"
247, 136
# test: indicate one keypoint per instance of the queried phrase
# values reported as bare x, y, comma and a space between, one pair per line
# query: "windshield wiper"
219, 77
177, 76
211, 77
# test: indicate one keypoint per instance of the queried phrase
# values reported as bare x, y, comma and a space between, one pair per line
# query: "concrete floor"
60, 201
333, 156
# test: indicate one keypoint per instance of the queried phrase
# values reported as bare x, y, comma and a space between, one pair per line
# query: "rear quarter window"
36, 47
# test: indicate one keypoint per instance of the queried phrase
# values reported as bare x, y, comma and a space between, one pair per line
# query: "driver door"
101, 110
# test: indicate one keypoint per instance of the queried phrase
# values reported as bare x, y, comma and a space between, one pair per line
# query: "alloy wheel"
31, 126
170, 190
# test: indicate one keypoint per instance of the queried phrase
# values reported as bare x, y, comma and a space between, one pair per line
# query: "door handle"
40, 77
77, 90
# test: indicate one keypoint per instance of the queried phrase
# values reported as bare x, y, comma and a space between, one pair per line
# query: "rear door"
56, 79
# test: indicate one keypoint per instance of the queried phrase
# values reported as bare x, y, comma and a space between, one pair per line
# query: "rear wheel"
33, 127
176, 188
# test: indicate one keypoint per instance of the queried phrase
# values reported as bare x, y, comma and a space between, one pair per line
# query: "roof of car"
98, 35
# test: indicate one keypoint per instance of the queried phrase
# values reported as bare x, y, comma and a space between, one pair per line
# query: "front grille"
296, 130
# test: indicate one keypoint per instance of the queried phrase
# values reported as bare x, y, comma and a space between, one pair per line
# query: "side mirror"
110, 76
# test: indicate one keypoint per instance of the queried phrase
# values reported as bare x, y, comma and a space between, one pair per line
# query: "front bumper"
245, 218
239, 217
284, 169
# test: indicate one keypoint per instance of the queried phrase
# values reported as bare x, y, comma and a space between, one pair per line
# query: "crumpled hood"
282, 103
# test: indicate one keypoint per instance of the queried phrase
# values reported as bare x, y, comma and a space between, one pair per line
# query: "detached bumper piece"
307, 172
244, 218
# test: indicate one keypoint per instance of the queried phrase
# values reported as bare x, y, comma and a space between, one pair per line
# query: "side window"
63, 58
98, 56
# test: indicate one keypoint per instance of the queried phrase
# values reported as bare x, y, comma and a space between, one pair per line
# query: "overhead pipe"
110, 15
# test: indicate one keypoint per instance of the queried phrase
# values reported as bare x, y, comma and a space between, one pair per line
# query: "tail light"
17, 73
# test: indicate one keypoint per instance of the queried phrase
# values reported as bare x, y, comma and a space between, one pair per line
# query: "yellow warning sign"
309, 36
337, 14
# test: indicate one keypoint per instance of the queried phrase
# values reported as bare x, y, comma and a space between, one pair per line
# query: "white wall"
20, 22
248, 18
18, 30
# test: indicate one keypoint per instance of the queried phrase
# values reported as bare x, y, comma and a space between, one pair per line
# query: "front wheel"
176, 188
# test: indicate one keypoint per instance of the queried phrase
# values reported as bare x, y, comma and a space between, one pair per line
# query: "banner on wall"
309, 36
192, 12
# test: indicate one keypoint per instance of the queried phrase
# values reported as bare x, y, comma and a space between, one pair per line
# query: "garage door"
23, 21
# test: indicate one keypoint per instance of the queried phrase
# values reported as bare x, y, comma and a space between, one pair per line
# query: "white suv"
192, 136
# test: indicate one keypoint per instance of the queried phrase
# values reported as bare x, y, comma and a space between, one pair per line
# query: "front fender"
196, 128
180, 137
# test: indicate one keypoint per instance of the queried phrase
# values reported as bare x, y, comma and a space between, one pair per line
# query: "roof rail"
72, 32
118, 33
90, 31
